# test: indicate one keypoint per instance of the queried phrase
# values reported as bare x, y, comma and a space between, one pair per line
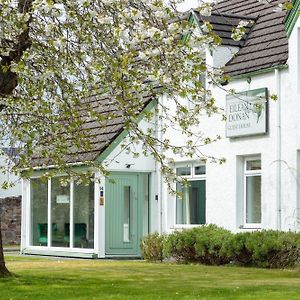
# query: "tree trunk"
3, 270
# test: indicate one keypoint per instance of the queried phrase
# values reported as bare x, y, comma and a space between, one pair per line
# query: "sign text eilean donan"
246, 113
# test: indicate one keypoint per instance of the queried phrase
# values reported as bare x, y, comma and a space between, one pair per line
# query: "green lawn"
95, 279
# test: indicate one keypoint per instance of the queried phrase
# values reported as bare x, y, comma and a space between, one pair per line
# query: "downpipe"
278, 151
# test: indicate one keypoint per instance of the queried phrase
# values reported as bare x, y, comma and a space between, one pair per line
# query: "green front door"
122, 215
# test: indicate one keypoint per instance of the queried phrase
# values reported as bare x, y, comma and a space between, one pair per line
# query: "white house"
256, 188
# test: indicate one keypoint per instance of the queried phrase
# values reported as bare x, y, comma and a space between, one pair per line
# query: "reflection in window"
190, 209
39, 211
252, 191
84, 215
200, 170
126, 224
60, 212
253, 199
253, 165
183, 171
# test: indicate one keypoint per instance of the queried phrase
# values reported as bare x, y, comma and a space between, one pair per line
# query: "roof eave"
258, 72
292, 18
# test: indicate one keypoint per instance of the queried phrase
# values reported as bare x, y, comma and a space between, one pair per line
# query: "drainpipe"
160, 174
278, 149
158, 124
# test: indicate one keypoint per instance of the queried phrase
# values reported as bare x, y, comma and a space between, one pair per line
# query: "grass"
11, 246
39, 278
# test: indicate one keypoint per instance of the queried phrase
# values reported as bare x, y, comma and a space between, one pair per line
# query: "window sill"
183, 226
251, 227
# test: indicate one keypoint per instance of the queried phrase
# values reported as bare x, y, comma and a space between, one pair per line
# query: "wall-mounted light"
128, 166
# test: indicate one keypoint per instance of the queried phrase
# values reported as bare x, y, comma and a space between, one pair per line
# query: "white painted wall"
224, 183
16, 190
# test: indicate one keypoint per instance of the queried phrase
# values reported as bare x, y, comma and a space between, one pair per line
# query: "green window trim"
292, 18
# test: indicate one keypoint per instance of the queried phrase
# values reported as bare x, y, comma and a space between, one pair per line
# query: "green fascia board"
292, 18
124, 133
258, 72
192, 21
41, 171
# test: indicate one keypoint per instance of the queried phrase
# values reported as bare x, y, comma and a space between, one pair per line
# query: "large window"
39, 212
68, 208
190, 205
252, 195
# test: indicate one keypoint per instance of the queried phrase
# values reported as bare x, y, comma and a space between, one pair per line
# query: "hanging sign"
62, 199
246, 113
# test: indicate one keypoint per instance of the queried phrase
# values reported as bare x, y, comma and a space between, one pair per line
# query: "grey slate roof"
100, 135
224, 23
266, 44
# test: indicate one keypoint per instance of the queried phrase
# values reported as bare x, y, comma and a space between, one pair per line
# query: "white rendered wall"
119, 159
224, 183
16, 190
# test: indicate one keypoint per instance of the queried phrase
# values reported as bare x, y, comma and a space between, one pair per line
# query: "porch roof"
100, 134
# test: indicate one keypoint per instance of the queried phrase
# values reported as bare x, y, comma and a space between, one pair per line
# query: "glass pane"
200, 170
39, 212
126, 223
190, 209
84, 215
60, 213
253, 165
253, 199
146, 204
183, 171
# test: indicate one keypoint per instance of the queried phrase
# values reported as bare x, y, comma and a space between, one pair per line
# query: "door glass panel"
60, 213
84, 215
253, 199
39, 211
126, 223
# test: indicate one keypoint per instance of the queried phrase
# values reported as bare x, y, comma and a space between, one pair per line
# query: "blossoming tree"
55, 53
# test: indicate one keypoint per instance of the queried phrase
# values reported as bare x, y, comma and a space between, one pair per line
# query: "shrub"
212, 245
202, 244
235, 248
180, 245
209, 245
152, 247
266, 248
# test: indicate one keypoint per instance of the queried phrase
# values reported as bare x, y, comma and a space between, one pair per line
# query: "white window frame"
48, 247
251, 173
191, 177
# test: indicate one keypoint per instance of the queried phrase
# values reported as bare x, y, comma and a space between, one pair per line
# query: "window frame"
49, 246
192, 177
251, 173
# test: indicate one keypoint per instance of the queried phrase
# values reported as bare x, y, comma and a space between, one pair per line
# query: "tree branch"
9, 79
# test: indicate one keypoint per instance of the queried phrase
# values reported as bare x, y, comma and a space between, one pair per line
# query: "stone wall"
10, 218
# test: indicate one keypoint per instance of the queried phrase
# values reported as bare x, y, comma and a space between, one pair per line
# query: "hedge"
213, 245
